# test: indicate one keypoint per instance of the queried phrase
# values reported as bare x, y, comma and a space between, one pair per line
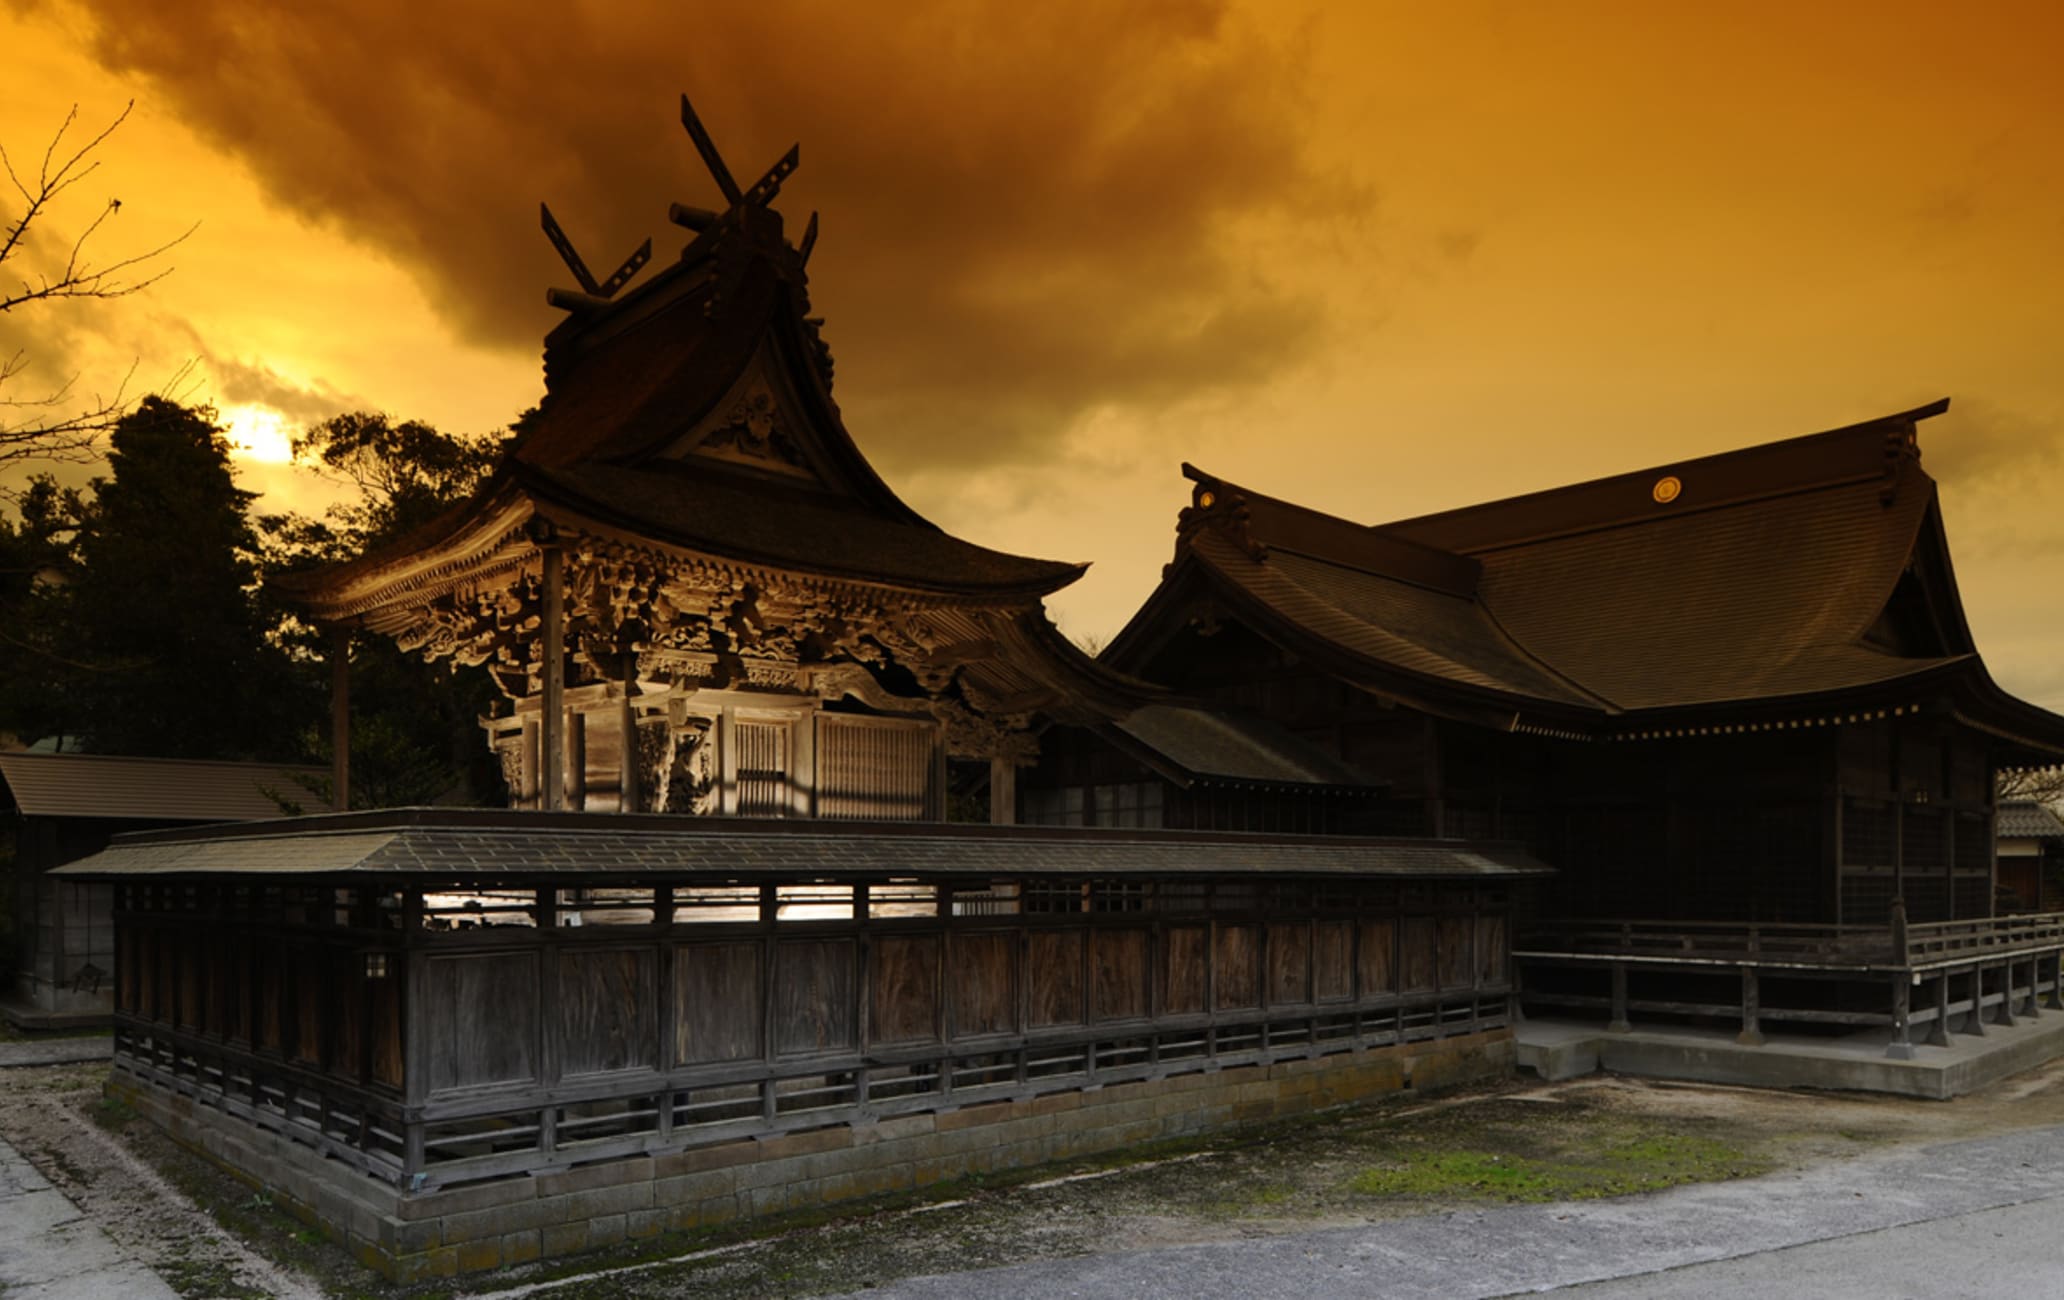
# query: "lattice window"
763, 758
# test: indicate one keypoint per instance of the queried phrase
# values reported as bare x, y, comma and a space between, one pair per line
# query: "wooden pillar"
1619, 1024
576, 760
2006, 1012
1751, 1034
1902, 1048
1975, 1022
553, 706
1003, 792
340, 719
629, 797
1938, 1036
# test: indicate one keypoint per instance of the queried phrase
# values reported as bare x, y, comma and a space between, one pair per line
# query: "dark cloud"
1029, 211
259, 384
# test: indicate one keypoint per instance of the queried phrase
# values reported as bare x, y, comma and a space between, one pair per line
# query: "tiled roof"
454, 845
153, 789
1795, 571
1212, 744
2025, 819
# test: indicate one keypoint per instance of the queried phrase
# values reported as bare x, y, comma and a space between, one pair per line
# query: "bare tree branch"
58, 425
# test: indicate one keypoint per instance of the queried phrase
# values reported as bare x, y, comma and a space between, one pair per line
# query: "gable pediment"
759, 427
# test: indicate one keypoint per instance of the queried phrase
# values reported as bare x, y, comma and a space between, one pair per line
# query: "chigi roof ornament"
593, 294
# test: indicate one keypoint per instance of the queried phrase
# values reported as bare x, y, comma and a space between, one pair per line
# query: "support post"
1003, 792
2006, 1014
1619, 1023
576, 760
553, 705
1938, 1035
1975, 1022
629, 797
2032, 1007
1751, 1034
340, 719
1902, 1048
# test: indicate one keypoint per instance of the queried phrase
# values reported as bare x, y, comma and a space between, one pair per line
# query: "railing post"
2032, 1008
2006, 1016
1939, 1035
1902, 1048
1975, 1022
1751, 1034
1619, 1023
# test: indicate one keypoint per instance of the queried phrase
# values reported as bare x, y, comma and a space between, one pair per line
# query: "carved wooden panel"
1416, 954
904, 1000
1055, 972
1238, 966
718, 1008
813, 995
608, 1010
1118, 974
1185, 963
1490, 949
982, 980
1289, 963
1457, 952
482, 1014
1333, 961
1378, 952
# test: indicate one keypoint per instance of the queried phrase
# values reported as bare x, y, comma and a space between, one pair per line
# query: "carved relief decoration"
755, 431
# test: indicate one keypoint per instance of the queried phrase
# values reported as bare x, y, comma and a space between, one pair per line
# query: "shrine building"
725, 954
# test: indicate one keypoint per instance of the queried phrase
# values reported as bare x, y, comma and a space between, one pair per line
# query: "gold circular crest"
1666, 489
1207, 499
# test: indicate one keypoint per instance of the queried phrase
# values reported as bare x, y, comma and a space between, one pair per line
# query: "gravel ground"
1474, 1152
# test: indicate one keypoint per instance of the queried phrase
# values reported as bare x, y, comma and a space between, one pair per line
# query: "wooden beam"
340, 719
553, 710
1003, 792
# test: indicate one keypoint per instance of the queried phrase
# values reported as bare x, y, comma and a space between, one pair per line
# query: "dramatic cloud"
260, 385
1029, 212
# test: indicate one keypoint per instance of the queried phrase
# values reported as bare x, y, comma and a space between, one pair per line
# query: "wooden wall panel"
903, 1002
1055, 972
982, 980
347, 1014
1333, 961
1490, 949
1118, 974
482, 1019
1416, 954
1289, 963
309, 998
608, 1010
718, 1003
270, 981
1456, 937
813, 995
1185, 964
1238, 967
386, 1025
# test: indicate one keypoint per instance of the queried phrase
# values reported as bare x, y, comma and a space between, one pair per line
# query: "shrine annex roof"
455, 844
1810, 573
152, 789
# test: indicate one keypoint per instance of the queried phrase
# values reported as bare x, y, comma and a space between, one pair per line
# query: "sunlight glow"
259, 433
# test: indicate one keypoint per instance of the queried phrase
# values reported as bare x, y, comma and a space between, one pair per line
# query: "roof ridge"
1871, 449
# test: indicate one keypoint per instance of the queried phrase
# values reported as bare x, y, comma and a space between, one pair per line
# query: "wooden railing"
1987, 970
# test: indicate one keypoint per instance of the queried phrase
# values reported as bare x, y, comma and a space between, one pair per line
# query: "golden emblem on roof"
1666, 489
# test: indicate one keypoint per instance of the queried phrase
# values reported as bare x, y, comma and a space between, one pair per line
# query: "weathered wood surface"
482, 1010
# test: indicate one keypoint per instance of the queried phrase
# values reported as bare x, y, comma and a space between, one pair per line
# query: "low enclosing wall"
517, 1219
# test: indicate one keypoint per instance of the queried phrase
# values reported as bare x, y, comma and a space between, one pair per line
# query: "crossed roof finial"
763, 192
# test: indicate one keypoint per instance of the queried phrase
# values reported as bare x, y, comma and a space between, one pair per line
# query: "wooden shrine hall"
724, 955
1734, 701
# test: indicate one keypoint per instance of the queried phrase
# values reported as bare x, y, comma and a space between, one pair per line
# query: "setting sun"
258, 433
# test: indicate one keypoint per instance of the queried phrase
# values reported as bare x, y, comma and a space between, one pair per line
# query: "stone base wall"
441, 1233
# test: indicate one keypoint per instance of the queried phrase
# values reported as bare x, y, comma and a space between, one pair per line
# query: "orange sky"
1381, 259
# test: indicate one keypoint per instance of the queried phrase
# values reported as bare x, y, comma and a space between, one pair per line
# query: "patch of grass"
111, 1113
1645, 1164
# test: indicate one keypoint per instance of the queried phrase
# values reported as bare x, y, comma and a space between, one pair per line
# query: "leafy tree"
38, 669
414, 729
162, 607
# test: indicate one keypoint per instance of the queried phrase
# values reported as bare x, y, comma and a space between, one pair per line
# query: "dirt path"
1581, 1140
